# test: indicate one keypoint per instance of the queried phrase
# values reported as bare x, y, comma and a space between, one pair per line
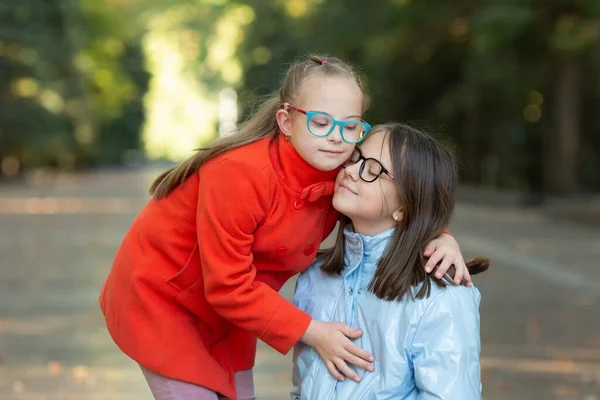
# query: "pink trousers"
164, 388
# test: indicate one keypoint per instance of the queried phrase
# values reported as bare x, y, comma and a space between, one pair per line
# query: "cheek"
299, 127
392, 200
378, 204
348, 149
371, 200
302, 141
344, 204
301, 133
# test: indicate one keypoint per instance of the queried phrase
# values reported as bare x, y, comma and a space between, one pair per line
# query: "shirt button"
309, 250
280, 251
359, 291
298, 204
350, 290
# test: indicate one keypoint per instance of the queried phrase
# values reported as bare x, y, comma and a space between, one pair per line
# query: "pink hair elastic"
324, 62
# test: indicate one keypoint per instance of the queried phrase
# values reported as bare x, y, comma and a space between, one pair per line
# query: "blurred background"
98, 96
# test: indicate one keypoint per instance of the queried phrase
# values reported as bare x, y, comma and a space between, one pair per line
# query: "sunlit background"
98, 96
512, 83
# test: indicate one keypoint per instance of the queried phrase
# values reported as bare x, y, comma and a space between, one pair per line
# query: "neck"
371, 228
295, 170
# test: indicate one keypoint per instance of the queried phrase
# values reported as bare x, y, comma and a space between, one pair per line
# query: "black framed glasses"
370, 169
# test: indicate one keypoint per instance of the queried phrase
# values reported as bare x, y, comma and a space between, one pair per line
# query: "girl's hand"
445, 249
330, 340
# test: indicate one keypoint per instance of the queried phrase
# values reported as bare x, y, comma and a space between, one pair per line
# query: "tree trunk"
76, 84
561, 176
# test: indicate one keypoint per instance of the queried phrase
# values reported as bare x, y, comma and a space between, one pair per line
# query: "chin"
339, 204
327, 166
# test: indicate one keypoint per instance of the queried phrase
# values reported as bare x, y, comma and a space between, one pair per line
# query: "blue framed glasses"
321, 124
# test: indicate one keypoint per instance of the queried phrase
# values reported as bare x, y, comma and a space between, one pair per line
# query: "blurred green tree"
68, 81
512, 84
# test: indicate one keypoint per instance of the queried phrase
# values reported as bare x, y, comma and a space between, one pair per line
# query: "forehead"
338, 96
376, 145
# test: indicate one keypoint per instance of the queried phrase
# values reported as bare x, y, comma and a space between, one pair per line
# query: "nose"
353, 171
336, 135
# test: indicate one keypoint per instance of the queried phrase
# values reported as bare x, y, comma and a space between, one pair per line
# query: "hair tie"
324, 62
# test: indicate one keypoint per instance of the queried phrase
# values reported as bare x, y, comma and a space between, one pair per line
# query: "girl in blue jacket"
397, 192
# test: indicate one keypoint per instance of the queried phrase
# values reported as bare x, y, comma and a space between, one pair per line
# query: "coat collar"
297, 174
362, 249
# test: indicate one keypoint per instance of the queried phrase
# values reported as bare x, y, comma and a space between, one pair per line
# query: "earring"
396, 218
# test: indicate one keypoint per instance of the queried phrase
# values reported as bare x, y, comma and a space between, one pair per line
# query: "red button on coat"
281, 251
309, 250
298, 204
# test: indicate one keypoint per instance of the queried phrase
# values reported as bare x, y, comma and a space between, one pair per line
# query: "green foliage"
70, 70
492, 76
486, 73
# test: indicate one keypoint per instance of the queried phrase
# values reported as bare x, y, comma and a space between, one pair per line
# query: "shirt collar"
359, 248
297, 174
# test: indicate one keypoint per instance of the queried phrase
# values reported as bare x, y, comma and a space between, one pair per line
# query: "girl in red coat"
196, 279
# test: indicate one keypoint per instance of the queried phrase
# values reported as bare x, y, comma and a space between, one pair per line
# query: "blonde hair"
259, 125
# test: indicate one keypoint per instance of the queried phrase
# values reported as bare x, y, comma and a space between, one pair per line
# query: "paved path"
540, 318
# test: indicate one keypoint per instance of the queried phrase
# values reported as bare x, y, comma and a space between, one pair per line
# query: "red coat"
196, 278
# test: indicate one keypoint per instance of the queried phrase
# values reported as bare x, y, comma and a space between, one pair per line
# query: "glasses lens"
320, 124
354, 131
370, 170
354, 158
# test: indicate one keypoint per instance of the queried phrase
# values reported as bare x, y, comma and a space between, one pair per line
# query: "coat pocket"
189, 274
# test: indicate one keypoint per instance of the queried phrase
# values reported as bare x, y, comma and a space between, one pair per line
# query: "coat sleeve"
234, 198
446, 347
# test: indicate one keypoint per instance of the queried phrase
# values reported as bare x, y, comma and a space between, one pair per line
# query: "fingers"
359, 362
433, 261
356, 351
352, 333
462, 274
443, 268
334, 371
346, 370
460, 268
430, 248
468, 277
337, 349
349, 331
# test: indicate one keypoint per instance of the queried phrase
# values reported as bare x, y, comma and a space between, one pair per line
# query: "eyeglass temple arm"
287, 106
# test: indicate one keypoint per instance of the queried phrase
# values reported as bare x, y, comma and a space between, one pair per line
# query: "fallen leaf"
54, 367
18, 387
80, 373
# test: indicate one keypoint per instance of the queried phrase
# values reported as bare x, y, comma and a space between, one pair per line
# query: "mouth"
333, 152
346, 188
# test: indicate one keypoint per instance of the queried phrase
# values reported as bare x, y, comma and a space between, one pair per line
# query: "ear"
283, 121
397, 215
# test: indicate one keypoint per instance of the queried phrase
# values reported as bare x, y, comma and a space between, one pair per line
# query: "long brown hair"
426, 176
260, 124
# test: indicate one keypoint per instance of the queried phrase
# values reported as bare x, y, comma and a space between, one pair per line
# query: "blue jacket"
424, 349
